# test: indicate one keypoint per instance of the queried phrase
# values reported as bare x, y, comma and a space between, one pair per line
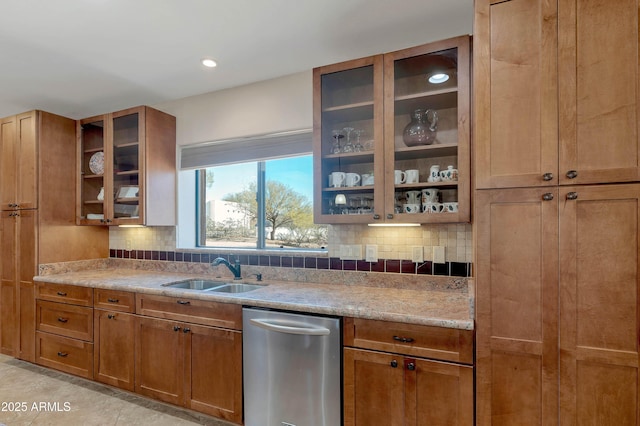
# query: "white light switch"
417, 255
371, 253
438, 254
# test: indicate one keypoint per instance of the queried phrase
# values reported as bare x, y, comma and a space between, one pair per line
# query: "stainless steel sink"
235, 288
196, 284
214, 286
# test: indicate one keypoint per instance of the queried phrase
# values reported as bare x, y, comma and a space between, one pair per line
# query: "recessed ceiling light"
438, 78
208, 62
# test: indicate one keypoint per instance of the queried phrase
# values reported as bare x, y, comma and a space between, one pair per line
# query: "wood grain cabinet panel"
65, 320
62, 353
114, 360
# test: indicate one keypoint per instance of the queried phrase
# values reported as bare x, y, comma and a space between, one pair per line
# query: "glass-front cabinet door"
427, 133
128, 132
92, 134
391, 137
348, 141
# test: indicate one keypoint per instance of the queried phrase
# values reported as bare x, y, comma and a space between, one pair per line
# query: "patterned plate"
96, 163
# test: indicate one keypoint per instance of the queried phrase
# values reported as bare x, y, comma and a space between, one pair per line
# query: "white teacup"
413, 176
429, 195
337, 179
451, 207
433, 208
352, 179
411, 208
399, 177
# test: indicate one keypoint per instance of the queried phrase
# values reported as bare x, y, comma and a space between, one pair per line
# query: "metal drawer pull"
176, 328
63, 319
572, 196
547, 176
186, 330
62, 293
547, 196
63, 354
394, 363
183, 302
111, 316
403, 339
572, 174
113, 300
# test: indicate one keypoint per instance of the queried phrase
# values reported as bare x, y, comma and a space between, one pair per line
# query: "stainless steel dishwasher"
291, 365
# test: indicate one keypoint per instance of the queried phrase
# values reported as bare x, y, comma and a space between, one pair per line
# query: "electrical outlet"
417, 254
351, 252
438, 254
127, 245
371, 253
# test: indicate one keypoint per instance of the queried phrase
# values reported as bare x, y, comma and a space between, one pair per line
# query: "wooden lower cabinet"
391, 389
196, 366
113, 358
558, 318
65, 354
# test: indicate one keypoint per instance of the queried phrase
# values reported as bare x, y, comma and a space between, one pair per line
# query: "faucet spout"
235, 269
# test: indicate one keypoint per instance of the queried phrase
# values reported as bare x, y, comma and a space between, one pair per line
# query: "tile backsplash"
395, 246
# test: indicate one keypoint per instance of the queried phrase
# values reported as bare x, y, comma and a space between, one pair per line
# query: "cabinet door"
438, 393
8, 289
516, 93
599, 93
159, 353
347, 138
599, 313
516, 307
373, 388
213, 375
93, 187
114, 337
27, 267
441, 140
8, 163
27, 160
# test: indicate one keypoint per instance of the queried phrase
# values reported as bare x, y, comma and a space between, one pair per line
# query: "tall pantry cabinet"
557, 211
37, 218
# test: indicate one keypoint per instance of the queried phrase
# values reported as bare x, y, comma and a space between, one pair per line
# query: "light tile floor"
32, 395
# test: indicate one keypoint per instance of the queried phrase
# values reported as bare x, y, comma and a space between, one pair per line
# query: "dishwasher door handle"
295, 328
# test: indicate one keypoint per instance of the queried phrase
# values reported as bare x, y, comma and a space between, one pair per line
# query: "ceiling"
80, 58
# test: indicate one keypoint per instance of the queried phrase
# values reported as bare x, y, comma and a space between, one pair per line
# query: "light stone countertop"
449, 309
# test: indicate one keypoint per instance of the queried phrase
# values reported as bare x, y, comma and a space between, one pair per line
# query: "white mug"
429, 195
336, 179
352, 179
433, 208
411, 208
434, 173
451, 207
413, 176
367, 179
399, 177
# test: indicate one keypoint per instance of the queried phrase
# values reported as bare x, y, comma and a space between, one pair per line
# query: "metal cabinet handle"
63, 320
394, 363
111, 316
183, 302
547, 176
186, 330
572, 174
176, 328
547, 196
572, 196
62, 293
389, 216
113, 300
403, 339
376, 216
411, 366
63, 354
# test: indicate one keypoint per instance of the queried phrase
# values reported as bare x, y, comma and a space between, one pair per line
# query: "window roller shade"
256, 148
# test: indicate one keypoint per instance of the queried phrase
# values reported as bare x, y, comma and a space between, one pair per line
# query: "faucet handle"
258, 277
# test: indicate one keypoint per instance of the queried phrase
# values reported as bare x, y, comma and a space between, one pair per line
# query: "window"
255, 193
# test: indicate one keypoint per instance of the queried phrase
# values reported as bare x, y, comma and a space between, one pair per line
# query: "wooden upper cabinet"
556, 85
361, 109
599, 309
19, 162
127, 168
516, 94
599, 94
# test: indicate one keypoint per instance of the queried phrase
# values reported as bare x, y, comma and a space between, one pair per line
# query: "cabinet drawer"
65, 320
447, 344
64, 354
65, 293
114, 300
205, 312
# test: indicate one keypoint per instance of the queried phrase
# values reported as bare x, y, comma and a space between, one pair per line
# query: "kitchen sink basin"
196, 284
235, 288
214, 286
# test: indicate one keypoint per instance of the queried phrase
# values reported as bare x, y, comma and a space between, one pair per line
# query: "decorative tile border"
452, 269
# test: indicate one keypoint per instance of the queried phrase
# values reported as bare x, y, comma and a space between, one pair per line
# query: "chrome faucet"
235, 269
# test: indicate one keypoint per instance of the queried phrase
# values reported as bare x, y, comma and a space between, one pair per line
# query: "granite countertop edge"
424, 307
